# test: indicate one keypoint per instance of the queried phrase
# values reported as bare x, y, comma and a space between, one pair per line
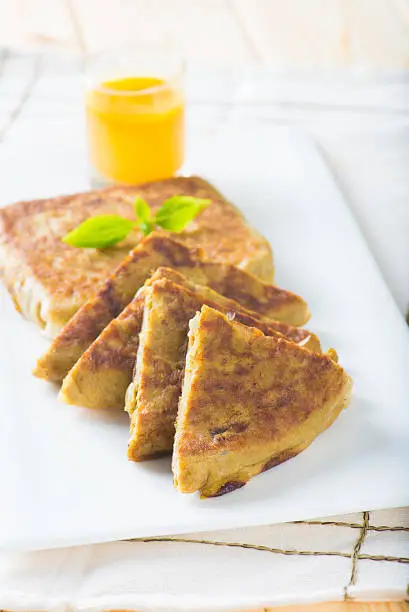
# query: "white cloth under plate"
359, 556
354, 556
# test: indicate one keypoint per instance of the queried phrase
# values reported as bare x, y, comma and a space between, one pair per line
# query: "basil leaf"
178, 211
147, 227
142, 209
100, 232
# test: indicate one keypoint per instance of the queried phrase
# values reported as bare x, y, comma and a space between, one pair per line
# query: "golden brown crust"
152, 401
116, 293
50, 280
100, 377
119, 289
203, 281
38, 267
205, 231
248, 402
265, 299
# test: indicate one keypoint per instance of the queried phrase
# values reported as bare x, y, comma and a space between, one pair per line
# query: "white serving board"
64, 474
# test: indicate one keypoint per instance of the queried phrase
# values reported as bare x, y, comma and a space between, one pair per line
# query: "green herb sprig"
104, 231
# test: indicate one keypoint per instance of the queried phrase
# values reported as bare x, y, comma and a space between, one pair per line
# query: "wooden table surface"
345, 607
292, 34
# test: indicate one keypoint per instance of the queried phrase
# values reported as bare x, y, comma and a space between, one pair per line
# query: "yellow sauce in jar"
135, 129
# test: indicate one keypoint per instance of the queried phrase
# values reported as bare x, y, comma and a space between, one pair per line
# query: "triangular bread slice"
100, 377
116, 293
152, 398
248, 403
120, 288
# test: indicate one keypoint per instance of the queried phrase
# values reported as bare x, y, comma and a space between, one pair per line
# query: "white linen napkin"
359, 556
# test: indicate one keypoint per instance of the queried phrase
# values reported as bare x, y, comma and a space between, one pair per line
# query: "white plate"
64, 474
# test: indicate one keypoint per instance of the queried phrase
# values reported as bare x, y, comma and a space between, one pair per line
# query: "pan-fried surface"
50, 280
154, 251
254, 294
153, 396
116, 293
100, 377
248, 403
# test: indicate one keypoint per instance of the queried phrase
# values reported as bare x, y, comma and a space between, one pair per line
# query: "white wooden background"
293, 34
